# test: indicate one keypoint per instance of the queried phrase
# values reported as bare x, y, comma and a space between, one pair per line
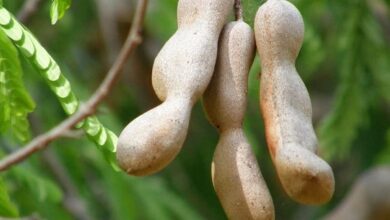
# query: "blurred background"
344, 62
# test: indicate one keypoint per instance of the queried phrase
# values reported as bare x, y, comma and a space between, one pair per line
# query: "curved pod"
181, 72
286, 107
236, 176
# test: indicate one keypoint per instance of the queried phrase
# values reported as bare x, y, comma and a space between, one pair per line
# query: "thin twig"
72, 201
73, 134
89, 108
28, 9
108, 14
238, 10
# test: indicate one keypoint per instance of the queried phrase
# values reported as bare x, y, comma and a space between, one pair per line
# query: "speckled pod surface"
181, 72
235, 173
286, 107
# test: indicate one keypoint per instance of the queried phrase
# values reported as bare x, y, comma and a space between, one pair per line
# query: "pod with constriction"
286, 107
181, 72
236, 175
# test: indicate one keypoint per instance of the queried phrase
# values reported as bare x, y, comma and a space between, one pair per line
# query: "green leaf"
349, 114
161, 202
58, 9
384, 155
7, 208
15, 101
39, 186
39, 58
356, 91
340, 128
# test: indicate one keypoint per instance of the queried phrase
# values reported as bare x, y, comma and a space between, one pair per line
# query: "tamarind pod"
286, 107
185, 64
164, 129
237, 179
181, 72
236, 175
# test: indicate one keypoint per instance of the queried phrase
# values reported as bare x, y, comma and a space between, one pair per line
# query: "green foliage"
38, 57
161, 202
162, 19
360, 75
344, 62
384, 156
7, 207
341, 127
58, 9
249, 10
15, 101
41, 188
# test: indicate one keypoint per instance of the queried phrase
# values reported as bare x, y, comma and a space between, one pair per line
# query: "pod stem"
238, 10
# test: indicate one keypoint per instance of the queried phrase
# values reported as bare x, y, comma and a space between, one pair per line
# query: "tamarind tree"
73, 74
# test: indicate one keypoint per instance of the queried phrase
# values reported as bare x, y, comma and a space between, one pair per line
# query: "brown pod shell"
181, 72
152, 140
236, 175
184, 66
286, 107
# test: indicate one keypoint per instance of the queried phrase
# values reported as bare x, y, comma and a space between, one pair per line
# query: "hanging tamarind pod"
181, 72
286, 107
236, 175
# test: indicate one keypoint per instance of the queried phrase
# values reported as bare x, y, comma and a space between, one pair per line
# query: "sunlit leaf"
58, 9
7, 207
38, 57
15, 102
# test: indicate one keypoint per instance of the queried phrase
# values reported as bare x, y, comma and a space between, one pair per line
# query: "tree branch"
89, 108
28, 9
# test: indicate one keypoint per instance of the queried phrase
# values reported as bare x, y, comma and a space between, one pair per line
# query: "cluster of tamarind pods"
211, 58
